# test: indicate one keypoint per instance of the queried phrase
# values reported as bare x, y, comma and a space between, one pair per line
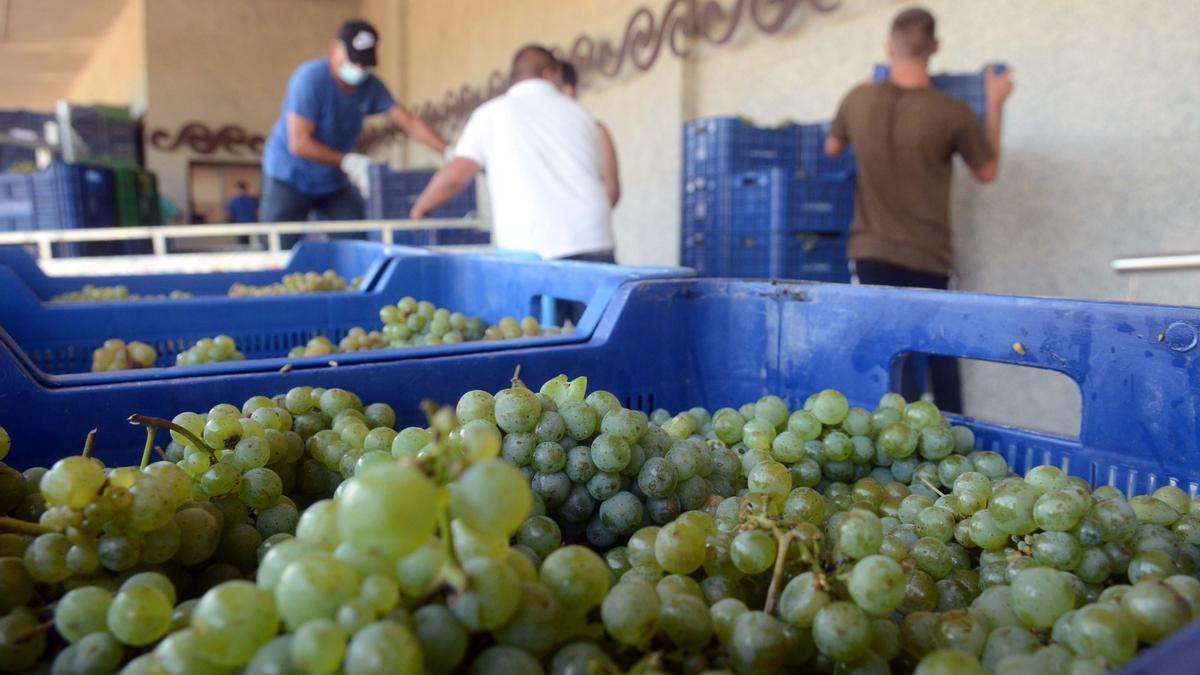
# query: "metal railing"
1150, 263
160, 234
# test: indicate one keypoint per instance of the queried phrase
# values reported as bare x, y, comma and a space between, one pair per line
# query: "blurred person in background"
309, 165
905, 135
243, 208
609, 170
541, 151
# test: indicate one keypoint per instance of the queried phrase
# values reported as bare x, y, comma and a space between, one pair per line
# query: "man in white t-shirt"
540, 150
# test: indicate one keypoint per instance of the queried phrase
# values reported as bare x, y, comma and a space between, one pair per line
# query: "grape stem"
89, 444
931, 487
167, 424
516, 379
40, 628
24, 526
775, 589
149, 447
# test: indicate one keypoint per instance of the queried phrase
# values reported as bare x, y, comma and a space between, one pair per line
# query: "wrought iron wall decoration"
204, 140
644, 40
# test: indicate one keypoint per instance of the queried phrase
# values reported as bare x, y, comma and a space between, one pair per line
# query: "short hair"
242, 185
570, 76
913, 33
531, 61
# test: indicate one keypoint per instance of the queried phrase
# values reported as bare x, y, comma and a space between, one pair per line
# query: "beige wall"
1100, 139
116, 72
227, 62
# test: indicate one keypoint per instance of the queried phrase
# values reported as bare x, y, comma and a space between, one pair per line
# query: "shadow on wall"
1032, 398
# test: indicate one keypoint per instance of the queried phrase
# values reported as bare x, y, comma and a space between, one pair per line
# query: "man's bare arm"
418, 128
302, 144
447, 182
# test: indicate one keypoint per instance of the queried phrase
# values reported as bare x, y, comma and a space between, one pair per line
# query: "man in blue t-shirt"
308, 164
244, 207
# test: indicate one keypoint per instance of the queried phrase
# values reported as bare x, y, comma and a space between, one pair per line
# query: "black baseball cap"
360, 38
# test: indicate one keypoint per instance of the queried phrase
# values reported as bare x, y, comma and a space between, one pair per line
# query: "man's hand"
418, 212
357, 169
997, 88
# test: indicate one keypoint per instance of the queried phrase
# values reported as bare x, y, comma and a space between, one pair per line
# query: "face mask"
351, 74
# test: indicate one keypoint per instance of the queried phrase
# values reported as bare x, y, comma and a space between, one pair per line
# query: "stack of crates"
764, 202
108, 133
966, 87
393, 194
63, 197
23, 125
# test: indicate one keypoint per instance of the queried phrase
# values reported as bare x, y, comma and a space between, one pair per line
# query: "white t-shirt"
541, 153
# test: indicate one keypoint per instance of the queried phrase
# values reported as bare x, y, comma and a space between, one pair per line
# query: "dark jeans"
569, 309
282, 203
941, 379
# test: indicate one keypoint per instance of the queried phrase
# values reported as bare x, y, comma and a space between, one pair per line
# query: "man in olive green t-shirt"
905, 135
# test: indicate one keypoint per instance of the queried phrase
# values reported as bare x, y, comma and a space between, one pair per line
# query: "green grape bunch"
210, 350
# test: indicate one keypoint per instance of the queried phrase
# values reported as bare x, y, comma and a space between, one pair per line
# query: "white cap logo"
363, 40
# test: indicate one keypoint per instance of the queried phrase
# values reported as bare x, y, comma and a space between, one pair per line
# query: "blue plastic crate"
966, 87
350, 259
780, 200
678, 343
814, 161
58, 338
812, 257
393, 193
721, 146
459, 237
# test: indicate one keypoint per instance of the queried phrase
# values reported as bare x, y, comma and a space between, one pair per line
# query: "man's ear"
889, 50
936, 46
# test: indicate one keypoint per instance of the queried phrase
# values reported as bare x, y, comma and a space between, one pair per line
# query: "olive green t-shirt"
905, 141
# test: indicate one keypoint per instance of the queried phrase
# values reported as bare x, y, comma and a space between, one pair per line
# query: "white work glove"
357, 169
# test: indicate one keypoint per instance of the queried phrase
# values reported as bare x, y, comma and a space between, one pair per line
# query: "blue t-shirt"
313, 94
243, 209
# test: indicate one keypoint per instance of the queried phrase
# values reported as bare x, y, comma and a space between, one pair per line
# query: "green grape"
489, 496
140, 615
232, 620
175, 477
804, 504
678, 584
753, 551
5, 443
220, 479
505, 660
657, 478
1143, 565
630, 612
932, 556
1040, 595
410, 441
16, 584
724, 614
758, 643
857, 422
1057, 549
442, 638
541, 534
1012, 506
898, 440
20, 655
313, 586
537, 622
830, 407
1058, 511
680, 426
416, 571
82, 611
318, 646
685, 620
153, 580
492, 596
1006, 641
1148, 510
949, 662
628, 425
517, 409
877, 584
1104, 630
921, 414
787, 448
260, 488
46, 558
371, 505
580, 658
769, 477
961, 630
481, 440
621, 513
383, 647
841, 631
758, 434
1155, 609
679, 548
859, 534
72, 482
580, 419
772, 410
95, 654
200, 534
576, 576
727, 424
805, 425
609, 453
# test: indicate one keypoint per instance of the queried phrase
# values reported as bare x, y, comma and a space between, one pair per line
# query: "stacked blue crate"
714, 150
814, 161
393, 194
789, 225
63, 197
108, 134
966, 87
